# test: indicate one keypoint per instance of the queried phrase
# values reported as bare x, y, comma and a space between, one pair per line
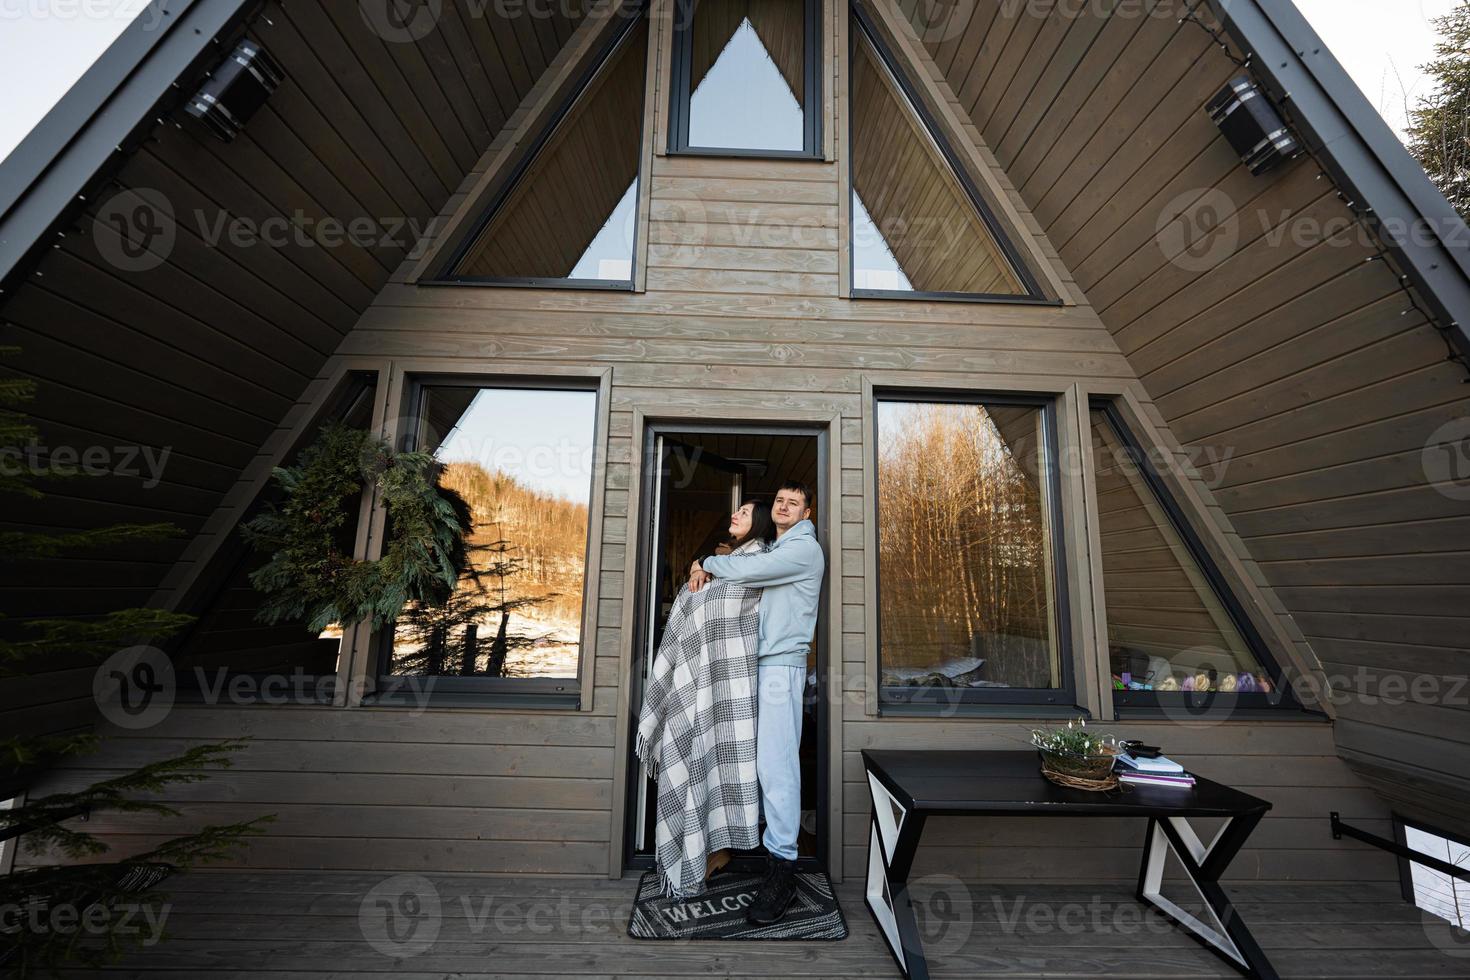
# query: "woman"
696, 732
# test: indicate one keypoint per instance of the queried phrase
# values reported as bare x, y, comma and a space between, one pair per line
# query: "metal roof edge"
99, 119
1424, 233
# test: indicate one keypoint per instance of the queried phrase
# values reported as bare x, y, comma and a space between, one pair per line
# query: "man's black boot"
775, 896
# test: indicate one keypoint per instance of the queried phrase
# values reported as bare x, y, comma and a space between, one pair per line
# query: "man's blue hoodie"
790, 572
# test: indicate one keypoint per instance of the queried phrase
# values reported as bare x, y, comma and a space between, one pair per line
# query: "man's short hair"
799, 487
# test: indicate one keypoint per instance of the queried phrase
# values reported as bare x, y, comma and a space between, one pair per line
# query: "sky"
543, 438
1382, 44
45, 45
743, 102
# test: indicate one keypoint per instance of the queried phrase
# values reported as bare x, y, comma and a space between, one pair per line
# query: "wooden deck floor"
329, 926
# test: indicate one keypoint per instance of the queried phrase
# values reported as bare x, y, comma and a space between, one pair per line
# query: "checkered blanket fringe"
696, 732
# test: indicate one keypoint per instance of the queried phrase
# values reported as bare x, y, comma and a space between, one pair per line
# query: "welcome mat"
719, 913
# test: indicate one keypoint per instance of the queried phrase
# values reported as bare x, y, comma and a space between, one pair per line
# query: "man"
790, 572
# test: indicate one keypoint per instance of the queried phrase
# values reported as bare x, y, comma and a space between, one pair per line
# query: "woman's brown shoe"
715, 862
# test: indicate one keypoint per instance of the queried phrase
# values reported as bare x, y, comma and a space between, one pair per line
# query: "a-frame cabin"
1099, 422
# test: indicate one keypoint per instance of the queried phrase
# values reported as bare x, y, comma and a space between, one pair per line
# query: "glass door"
692, 493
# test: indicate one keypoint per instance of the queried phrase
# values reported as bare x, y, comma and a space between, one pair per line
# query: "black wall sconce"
1253, 126
236, 90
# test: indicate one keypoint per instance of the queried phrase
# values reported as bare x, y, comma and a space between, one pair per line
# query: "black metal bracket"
1340, 829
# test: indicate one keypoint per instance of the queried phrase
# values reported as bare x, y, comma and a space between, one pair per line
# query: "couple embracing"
720, 727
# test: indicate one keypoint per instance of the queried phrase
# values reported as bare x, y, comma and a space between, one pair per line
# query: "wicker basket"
1082, 767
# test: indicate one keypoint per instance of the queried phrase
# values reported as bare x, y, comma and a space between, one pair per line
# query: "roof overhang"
1423, 233
103, 117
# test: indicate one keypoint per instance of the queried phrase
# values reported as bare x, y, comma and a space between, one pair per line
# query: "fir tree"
45, 637
48, 822
1439, 126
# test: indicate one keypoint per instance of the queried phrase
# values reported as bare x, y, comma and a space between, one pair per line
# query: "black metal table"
908, 787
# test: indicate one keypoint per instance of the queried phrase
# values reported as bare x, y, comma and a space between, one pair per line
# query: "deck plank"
305, 926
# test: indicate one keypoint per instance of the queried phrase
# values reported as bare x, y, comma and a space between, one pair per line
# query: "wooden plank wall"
203, 355
1280, 359
741, 317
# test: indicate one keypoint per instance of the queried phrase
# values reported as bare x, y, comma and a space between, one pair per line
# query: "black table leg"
1204, 865
892, 841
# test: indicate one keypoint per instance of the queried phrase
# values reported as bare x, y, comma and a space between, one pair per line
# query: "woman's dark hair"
762, 528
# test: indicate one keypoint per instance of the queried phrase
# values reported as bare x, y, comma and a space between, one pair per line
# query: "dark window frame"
1208, 704
446, 275
448, 690
1006, 701
864, 28
680, 93
354, 386
1406, 873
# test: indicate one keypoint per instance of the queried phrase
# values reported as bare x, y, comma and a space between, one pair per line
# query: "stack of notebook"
1158, 771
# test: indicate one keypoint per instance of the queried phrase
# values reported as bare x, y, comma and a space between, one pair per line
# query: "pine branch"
88, 888
17, 546
79, 889
215, 842
18, 754
1439, 124
85, 888
43, 818
95, 638
15, 391
14, 429
310, 579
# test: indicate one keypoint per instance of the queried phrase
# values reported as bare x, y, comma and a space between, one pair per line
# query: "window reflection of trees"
964, 557
517, 611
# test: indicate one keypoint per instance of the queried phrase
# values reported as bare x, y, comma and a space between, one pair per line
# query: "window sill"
1000, 712
462, 699
908, 295
1181, 714
734, 154
603, 285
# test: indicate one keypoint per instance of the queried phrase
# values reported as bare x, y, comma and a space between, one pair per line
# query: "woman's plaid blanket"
696, 732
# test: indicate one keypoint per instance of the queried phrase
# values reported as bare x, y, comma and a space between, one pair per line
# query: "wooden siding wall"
741, 317
1280, 359
203, 355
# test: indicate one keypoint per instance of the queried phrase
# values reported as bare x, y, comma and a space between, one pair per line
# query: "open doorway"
695, 475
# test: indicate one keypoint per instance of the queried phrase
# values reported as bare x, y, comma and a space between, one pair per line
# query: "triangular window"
1176, 633
919, 227
745, 79
567, 216
226, 639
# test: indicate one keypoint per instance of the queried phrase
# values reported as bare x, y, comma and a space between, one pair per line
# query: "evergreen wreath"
310, 577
